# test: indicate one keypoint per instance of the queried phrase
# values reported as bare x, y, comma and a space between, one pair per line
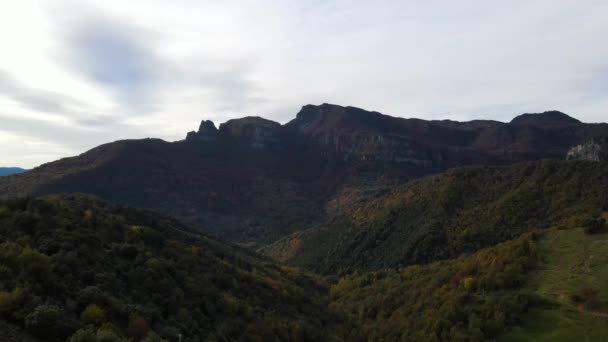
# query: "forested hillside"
471, 298
443, 216
77, 269
74, 268
547, 285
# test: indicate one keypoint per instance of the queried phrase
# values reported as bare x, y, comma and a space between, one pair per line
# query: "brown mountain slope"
254, 180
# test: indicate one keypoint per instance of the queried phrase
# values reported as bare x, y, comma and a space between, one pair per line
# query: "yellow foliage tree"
92, 314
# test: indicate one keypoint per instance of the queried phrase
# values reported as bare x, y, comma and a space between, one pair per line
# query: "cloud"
128, 61
54, 121
53, 107
35, 99
115, 56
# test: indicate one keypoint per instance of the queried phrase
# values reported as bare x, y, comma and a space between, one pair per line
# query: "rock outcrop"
253, 131
595, 149
206, 132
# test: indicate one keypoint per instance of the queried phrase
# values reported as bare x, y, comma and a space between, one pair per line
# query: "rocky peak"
315, 120
207, 127
254, 131
595, 149
311, 112
206, 132
552, 117
355, 134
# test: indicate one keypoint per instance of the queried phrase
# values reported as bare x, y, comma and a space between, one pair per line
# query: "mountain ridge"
252, 180
6, 171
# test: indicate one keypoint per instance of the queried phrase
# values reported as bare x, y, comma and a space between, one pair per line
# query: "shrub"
138, 328
84, 335
108, 333
34, 265
468, 283
26, 221
44, 321
92, 314
133, 233
10, 300
594, 226
589, 297
9, 254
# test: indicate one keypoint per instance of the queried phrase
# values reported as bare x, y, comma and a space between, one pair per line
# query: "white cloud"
80, 73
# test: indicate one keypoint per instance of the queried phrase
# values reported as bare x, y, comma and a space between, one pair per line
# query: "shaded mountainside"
254, 181
446, 215
74, 266
5, 171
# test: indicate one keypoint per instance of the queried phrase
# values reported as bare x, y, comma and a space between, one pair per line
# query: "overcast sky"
75, 74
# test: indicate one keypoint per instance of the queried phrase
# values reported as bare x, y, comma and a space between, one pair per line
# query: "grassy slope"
522, 290
572, 262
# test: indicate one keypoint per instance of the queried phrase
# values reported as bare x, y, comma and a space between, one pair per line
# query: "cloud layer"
75, 74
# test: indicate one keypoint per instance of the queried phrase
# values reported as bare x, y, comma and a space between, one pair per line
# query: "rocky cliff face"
358, 135
206, 133
254, 132
595, 149
380, 148
354, 134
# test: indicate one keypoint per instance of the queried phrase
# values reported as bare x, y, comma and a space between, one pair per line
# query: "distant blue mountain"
5, 171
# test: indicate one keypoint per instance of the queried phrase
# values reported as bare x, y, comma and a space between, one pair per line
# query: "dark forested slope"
443, 216
74, 267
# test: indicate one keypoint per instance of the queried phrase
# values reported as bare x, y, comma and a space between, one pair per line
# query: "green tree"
594, 226
45, 321
468, 283
84, 335
92, 314
108, 333
34, 265
138, 327
10, 300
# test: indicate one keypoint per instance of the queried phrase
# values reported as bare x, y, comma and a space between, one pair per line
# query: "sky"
76, 74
